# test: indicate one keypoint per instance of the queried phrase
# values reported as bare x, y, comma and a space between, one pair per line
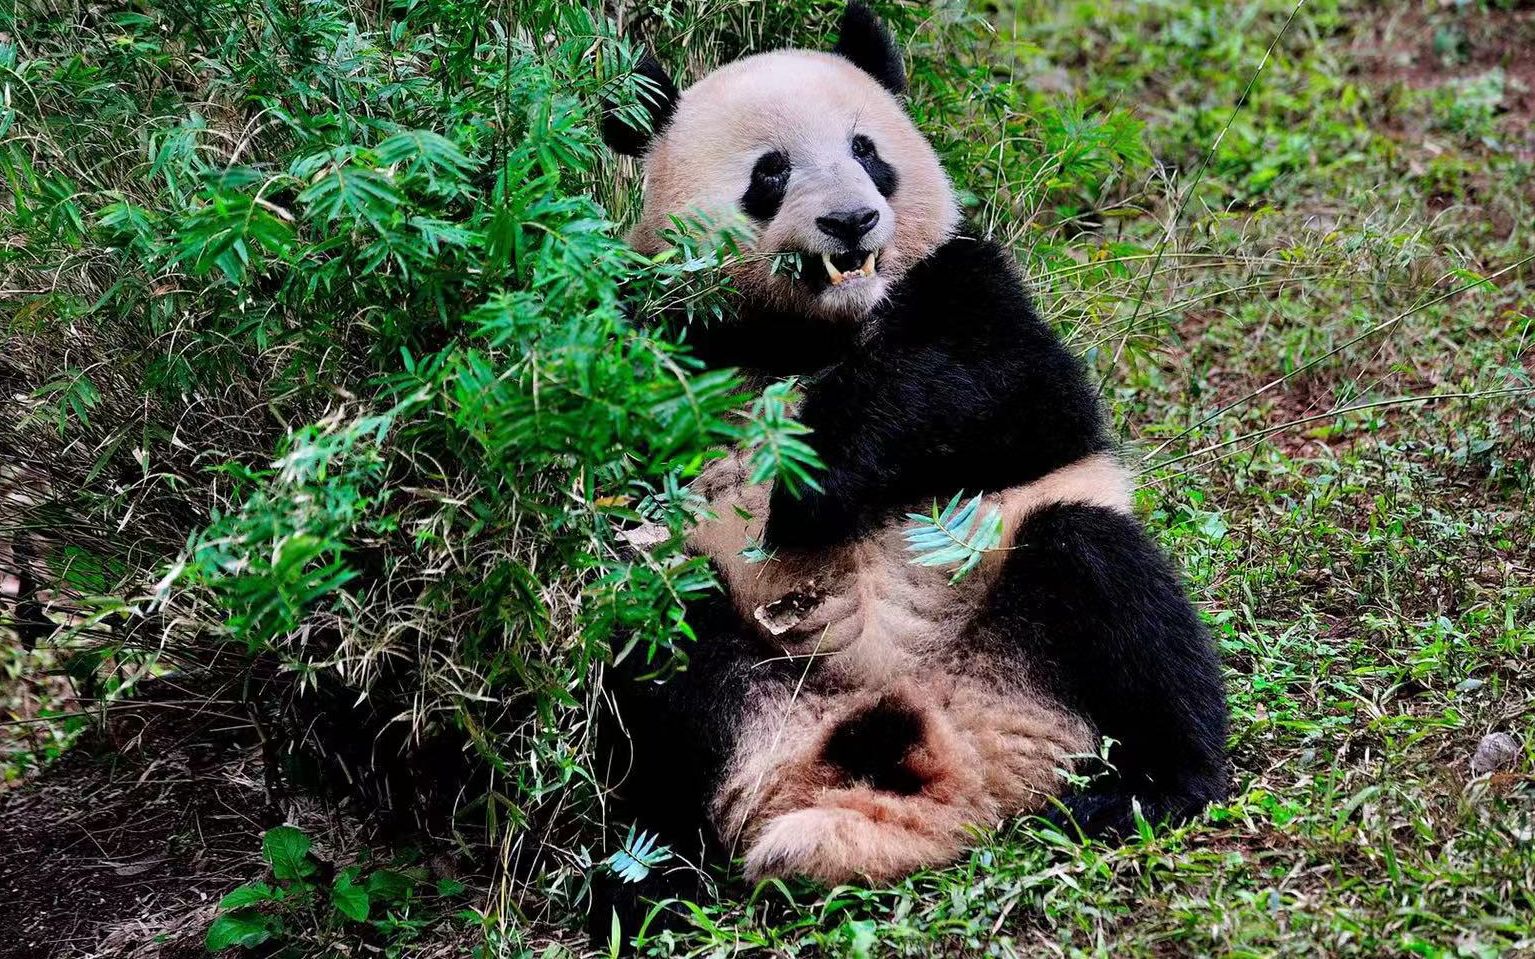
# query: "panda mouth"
850, 266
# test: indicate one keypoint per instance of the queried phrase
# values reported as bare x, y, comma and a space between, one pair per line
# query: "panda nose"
849, 226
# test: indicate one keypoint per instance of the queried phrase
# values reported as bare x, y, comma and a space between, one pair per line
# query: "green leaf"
230, 231
353, 192
771, 433
390, 885
350, 899
287, 849
249, 894
958, 537
638, 855
238, 929
425, 152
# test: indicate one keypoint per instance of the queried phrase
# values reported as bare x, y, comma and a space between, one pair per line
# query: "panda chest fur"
864, 609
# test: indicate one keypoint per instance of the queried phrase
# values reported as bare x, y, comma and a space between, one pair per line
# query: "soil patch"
124, 846
1423, 49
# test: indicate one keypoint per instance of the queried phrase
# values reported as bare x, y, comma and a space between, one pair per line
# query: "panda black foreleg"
1096, 614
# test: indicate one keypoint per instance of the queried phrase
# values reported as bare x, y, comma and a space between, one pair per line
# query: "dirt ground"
123, 847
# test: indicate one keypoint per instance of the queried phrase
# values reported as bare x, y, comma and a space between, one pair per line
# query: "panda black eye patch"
881, 173
770, 179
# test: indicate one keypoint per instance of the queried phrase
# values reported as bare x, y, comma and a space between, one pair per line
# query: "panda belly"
899, 734
871, 616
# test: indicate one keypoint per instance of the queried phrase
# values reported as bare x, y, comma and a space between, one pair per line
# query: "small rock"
646, 536
782, 615
133, 869
1495, 751
1469, 686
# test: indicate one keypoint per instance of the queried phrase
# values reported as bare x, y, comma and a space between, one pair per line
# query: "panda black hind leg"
1096, 614
663, 746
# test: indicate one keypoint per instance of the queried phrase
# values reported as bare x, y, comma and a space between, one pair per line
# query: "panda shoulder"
971, 285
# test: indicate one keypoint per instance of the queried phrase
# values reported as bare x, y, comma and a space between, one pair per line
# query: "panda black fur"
845, 713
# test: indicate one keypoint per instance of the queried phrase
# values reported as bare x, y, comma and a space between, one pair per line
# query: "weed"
396, 904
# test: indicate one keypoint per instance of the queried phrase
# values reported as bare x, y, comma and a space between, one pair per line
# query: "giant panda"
845, 714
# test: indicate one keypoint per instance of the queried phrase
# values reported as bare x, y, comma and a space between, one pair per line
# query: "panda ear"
866, 41
658, 97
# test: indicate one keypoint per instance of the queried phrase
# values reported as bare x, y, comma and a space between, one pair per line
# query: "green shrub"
325, 310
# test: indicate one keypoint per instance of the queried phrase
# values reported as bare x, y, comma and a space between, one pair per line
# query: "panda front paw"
812, 520
790, 526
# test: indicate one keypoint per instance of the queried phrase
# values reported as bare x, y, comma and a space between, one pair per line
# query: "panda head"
814, 154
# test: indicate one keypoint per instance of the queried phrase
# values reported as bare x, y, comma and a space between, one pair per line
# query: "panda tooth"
835, 274
868, 265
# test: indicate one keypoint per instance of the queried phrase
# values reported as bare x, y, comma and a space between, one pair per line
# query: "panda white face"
817, 159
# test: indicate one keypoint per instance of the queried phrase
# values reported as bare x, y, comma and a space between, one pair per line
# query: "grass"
1294, 243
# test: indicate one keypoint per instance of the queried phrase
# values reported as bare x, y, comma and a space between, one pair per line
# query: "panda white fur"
847, 714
